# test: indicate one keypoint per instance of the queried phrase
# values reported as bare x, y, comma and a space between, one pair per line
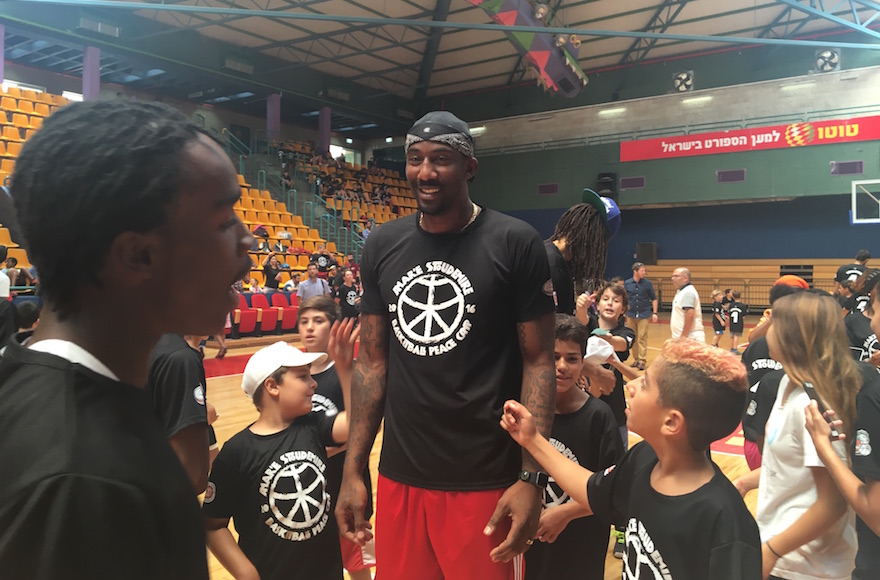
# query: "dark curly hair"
586, 237
94, 170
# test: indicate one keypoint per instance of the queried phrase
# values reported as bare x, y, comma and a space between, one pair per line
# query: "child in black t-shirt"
736, 311
690, 396
316, 317
270, 478
718, 320
569, 544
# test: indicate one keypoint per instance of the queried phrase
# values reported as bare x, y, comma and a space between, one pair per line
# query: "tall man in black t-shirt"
132, 193
456, 315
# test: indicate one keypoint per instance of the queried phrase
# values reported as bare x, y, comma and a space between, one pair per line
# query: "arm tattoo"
368, 384
536, 341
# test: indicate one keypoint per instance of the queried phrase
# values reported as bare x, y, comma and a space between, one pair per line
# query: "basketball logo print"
431, 310
297, 504
554, 494
642, 560
799, 134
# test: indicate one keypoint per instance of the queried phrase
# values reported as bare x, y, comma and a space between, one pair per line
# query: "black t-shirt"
275, 489
589, 437
849, 272
328, 398
616, 399
90, 486
706, 534
761, 403
862, 340
270, 273
866, 465
717, 313
347, 296
736, 312
563, 285
323, 261
453, 303
176, 384
758, 363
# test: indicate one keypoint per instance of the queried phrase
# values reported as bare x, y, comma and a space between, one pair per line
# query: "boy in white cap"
270, 477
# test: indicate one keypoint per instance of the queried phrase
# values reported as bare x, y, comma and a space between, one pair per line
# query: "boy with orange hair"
691, 395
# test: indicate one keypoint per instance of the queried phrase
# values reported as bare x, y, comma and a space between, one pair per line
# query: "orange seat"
35, 122
20, 120
7, 165
8, 104
59, 100
21, 255
28, 95
247, 203
26, 107
11, 133
3, 152
5, 239
13, 148
13, 92
41, 109
241, 181
45, 98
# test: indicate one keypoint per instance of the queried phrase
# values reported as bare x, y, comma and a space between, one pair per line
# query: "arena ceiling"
409, 50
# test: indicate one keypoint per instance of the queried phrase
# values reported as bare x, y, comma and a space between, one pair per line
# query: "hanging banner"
756, 139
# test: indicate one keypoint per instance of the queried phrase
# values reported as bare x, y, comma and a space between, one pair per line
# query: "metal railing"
754, 292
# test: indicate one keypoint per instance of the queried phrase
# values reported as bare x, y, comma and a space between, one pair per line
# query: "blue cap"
607, 207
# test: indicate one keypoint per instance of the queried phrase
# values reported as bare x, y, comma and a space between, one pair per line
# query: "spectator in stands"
316, 159
154, 203
4, 279
367, 229
18, 276
286, 180
272, 271
255, 287
323, 260
312, 286
353, 266
293, 283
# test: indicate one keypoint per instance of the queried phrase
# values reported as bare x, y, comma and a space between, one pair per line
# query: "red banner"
757, 139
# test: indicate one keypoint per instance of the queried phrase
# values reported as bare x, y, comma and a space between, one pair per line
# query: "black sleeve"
629, 335
178, 391
866, 461
764, 399
611, 449
324, 424
735, 561
224, 491
532, 288
608, 490
51, 532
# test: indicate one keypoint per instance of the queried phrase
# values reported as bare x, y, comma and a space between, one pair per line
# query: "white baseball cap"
267, 360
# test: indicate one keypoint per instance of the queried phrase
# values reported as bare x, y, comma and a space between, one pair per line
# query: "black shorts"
736, 329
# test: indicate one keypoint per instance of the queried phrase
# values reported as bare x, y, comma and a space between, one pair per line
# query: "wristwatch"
536, 478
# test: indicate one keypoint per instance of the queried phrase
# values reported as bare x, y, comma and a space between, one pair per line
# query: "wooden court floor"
236, 412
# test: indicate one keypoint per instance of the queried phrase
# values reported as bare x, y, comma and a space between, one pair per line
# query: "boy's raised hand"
518, 422
343, 337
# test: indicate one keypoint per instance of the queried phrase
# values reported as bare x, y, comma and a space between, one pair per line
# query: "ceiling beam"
820, 12
441, 12
720, 39
661, 20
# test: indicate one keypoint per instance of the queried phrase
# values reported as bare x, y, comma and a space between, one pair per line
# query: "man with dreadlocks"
578, 248
456, 316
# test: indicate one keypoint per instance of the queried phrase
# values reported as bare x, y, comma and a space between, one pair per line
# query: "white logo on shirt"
210, 492
322, 403
431, 310
753, 408
199, 394
863, 443
297, 506
351, 297
642, 560
553, 494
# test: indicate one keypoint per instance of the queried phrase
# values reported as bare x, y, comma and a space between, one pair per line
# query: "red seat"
270, 316
244, 319
288, 313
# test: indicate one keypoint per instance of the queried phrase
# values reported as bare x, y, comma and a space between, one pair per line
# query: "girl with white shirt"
807, 529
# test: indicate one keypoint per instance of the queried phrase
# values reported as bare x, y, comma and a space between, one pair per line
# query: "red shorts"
432, 535
753, 456
356, 558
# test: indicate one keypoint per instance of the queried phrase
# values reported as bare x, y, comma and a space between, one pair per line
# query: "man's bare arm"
538, 394
688, 322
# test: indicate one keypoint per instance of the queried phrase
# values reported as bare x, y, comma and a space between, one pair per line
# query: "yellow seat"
28, 95
251, 216
7, 165
21, 255
265, 194
263, 218
3, 152
5, 239
35, 122
247, 203
298, 221
241, 181
11, 133
19, 120
259, 204
303, 261
13, 148
285, 219
331, 247
309, 245
44, 98
13, 92
26, 107
41, 109
8, 104
59, 100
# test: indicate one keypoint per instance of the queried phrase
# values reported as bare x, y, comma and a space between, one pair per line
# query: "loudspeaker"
606, 185
646, 253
